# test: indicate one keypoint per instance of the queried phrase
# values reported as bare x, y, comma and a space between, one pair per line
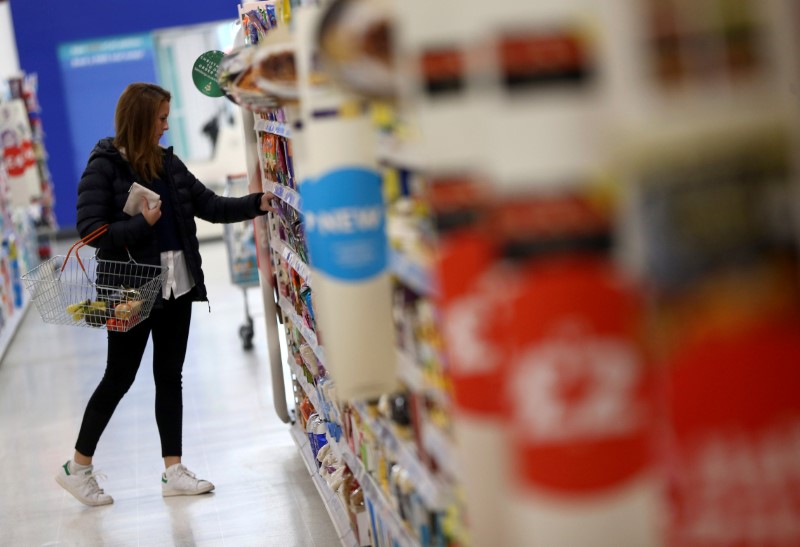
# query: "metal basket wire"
107, 294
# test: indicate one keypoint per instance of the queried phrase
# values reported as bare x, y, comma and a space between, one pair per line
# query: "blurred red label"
580, 392
442, 70
474, 355
543, 217
543, 58
446, 194
440, 64
735, 451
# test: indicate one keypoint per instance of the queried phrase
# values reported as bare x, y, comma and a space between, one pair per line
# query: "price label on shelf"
292, 258
297, 263
279, 128
274, 127
287, 195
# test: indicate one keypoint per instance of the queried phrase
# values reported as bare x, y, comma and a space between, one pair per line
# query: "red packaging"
580, 391
465, 252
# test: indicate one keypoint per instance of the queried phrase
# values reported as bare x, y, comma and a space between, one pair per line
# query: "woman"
165, 235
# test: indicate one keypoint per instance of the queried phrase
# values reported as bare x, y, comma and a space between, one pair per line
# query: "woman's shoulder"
105, 151
174, 163
104, 164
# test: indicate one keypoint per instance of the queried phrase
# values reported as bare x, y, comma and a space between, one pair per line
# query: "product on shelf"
723, 265
257, 19
316, 433
24, 183
355, 45
237, 78
275, 70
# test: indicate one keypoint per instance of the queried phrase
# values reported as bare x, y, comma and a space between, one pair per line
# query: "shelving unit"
332, 503
26, 219
433, 490
10, 328
552, 156
380, 504
412, 273
396, 152
411, 375
308, 334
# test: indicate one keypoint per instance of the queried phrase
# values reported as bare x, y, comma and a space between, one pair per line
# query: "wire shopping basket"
107, 294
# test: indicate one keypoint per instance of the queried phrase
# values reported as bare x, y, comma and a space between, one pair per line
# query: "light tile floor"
232, 436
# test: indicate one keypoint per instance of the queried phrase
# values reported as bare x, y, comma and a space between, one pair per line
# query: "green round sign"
204, 73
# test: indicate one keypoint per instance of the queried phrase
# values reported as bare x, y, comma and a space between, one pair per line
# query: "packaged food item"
316, 431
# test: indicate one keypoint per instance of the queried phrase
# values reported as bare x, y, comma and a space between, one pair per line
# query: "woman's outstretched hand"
266, 202
151, 215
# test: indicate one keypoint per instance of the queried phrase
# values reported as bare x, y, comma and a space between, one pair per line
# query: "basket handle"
82, 243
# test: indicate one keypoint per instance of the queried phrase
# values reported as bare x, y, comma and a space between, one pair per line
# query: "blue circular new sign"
345, 223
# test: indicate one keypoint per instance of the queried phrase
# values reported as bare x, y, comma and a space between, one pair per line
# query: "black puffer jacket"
103, 190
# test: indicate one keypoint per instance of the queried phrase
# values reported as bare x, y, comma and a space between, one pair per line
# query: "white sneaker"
179, 481
83, 485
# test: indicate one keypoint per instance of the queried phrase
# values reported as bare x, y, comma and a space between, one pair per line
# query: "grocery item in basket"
94, 313
128, 310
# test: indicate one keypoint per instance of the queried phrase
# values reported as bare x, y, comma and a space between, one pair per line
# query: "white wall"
9, 59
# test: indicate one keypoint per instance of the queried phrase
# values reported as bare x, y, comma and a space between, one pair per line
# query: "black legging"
170, 328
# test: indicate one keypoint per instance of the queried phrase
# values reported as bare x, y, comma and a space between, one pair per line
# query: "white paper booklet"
133, 205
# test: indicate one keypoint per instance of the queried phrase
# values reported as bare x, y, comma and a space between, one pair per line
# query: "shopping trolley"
105, 294
242, 259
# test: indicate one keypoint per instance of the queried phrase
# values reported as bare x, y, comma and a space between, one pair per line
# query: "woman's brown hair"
135, 122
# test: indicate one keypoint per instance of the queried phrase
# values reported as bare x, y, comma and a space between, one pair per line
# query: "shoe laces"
91, 480
181, 470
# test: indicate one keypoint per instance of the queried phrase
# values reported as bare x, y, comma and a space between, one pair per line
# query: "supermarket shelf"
411, 273
432, 491
435, 441
391, 518
285, 194
441, 449
292, 258
307, 333
411, 375
276, 128
310, 390
398, 153
330, 500
11, 326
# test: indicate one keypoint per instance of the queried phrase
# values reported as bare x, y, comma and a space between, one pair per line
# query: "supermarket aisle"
264, 496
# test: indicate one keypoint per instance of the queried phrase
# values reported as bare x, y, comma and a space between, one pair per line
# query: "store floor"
232, 436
